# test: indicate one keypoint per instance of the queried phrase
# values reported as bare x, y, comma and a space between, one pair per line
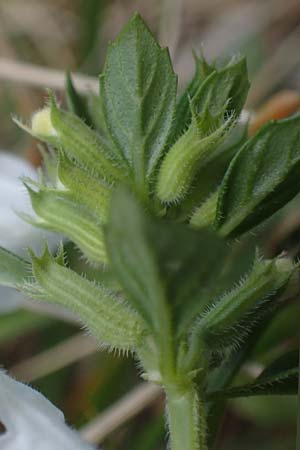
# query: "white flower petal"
15, 234
31, 421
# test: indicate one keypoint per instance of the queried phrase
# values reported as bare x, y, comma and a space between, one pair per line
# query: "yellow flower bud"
41, 124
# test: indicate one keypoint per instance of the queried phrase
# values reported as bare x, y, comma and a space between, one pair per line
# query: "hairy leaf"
189, 263
227, 86
183, 115
96, 112
84, 188
79, 141
138, 89
208, 179
133, 260
214, 107
261, 179
188, 155
59, 212
102, 312
162, 264
229, 320
266, 278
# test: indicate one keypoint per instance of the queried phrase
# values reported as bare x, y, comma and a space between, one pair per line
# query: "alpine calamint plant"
154, 189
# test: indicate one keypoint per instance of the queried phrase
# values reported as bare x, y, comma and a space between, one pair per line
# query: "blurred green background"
72, 35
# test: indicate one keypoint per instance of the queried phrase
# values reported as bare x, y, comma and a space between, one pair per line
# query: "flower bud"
190, 153
41, 124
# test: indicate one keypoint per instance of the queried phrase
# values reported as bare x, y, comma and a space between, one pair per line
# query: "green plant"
156, 190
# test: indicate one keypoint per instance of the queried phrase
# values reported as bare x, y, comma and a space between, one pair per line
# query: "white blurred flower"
15, 234
31, 422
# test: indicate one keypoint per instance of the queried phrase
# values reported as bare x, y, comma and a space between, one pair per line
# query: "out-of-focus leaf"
77, 104
13, 269
91, 15
150, 436
280, 378
285, 326
18, 323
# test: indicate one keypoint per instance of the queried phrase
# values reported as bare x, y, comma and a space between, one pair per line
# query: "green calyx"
103, 312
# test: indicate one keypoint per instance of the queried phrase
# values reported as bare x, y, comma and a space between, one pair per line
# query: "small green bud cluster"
137, 143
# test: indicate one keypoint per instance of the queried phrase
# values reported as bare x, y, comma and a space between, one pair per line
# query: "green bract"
156, 188
103, 312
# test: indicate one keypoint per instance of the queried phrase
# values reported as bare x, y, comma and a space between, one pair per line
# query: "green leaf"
77, 104
227, 86
133, 260
189, 264
96, 113
204, 215
150, 435
92, 15
162, 264
17, 323
84, 188
183, 115
261, 179
287, 361
283, 328
208, 179
138, 89
280, 378
79, 141
101, 311
221, 377
13, 269
68, 133
58, 211
266, 278
229, 320
189, 154
214, 108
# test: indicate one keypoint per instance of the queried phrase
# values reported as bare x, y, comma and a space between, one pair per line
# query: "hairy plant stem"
186, 417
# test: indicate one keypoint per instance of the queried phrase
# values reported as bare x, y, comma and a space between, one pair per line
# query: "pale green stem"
186, 418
